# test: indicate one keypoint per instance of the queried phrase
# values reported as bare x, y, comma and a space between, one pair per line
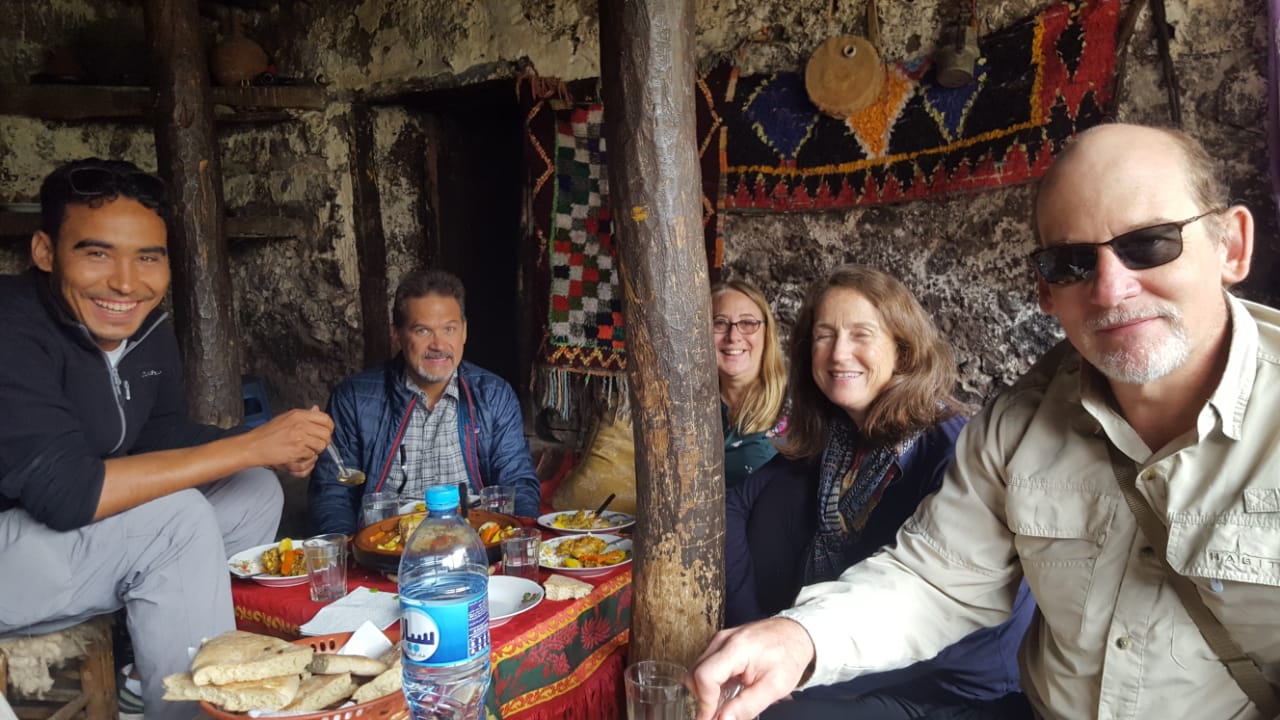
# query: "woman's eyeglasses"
1139, 249
91, 182
746, 326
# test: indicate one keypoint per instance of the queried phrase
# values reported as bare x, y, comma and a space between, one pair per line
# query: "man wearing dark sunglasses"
110, 495
1132, 477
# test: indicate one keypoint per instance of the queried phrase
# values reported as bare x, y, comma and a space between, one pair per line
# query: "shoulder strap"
1242, 667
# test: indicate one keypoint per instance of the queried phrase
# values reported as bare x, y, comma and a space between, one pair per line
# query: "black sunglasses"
1139, 249
91, 182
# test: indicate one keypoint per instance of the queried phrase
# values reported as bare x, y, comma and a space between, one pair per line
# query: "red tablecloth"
562, 660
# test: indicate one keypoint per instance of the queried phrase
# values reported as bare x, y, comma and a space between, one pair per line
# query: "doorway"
474, 178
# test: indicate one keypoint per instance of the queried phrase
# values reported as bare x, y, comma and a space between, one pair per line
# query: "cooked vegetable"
582, 520
587, 551
283, 560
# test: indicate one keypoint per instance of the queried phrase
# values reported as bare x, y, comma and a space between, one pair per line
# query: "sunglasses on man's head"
91, 182
1139, 249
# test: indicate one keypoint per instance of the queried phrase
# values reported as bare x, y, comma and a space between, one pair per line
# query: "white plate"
510, 596
616, 521
548, 559
248, 562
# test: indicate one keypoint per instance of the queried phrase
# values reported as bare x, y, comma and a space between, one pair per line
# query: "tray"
388, 707
371, 556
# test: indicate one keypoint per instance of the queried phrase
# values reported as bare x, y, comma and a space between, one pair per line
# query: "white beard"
1148, 361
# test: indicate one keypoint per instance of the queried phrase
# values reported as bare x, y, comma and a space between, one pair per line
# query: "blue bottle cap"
442, 497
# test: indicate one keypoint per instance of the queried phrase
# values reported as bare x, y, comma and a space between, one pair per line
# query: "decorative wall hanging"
1041, 81
569, 217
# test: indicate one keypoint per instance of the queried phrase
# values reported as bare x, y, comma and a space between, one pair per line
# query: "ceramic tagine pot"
237, 60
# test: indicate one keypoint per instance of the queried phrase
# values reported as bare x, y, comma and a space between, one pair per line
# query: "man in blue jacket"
110, 495
424, 417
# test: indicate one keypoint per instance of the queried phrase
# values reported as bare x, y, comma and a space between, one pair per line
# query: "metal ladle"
346, 476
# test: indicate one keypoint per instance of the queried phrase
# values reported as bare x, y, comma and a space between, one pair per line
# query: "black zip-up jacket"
64, 409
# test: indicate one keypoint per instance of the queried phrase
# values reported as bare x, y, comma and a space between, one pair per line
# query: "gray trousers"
164, 562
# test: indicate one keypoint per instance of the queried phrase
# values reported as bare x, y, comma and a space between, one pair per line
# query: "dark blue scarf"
851, 479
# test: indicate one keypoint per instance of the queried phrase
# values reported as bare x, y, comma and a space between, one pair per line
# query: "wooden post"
187, 157
647, 72
371, 243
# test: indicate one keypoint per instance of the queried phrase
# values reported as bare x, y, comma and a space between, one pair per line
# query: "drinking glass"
499, 499
520, 553
378, 506
656, 691
326, 557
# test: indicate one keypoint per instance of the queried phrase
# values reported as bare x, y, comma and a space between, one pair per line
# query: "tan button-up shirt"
1032, 492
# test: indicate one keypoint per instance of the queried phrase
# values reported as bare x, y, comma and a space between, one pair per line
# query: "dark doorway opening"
474, 174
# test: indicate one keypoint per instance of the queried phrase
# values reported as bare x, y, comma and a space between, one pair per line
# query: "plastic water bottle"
444, 614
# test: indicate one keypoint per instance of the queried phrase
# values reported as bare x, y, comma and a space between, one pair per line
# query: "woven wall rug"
1040, 81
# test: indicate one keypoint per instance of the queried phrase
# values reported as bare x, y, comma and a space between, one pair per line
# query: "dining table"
560, 660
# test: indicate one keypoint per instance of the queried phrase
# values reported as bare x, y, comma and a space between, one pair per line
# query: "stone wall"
298, 299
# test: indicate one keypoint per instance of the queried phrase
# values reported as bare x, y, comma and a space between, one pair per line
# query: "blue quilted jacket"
369, 412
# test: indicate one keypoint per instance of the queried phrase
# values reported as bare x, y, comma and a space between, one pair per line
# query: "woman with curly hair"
873, 424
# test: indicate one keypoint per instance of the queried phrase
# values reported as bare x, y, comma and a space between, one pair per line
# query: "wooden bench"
60, 675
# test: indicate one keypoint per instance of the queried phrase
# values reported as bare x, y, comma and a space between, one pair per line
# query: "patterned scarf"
852, 478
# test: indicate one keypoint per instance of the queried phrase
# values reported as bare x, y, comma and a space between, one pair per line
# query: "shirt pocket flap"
1233, 546
1261, 500
1053, 512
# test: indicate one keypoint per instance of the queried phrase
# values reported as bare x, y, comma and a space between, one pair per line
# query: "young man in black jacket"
110, 495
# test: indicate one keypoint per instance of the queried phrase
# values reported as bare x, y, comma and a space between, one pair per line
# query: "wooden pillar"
187, 157
647, 73
371, 243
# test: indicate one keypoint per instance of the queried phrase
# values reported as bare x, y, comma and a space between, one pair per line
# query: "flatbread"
559, 587
388, 682
239, 656
333, 664
266, 694
321, 691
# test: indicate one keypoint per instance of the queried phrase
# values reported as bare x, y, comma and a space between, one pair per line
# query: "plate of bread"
277, 564
378, 546
241, 671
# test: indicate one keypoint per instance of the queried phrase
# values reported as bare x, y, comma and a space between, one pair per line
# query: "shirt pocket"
1059, 535
1234, 561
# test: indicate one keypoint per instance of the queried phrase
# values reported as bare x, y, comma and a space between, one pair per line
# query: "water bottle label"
444, 633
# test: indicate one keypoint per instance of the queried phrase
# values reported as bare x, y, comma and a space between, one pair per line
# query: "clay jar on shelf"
237, 60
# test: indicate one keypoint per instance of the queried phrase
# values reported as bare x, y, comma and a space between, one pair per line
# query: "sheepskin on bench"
30, 658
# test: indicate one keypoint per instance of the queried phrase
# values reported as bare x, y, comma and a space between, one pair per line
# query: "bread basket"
388, 707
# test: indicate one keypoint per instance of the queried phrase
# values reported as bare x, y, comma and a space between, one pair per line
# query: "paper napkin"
347, 614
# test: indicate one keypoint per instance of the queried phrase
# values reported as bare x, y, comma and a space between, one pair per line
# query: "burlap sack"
608, 465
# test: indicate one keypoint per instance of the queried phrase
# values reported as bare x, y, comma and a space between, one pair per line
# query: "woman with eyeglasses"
873, 424
753, 379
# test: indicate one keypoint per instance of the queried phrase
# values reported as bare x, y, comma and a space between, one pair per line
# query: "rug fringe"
567, 391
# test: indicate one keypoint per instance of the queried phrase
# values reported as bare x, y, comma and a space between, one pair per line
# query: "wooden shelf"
90, 102
21, 225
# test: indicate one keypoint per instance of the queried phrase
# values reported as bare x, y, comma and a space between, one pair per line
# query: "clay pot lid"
844, 75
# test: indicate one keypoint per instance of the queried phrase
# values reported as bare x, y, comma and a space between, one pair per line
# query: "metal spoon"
346, 476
